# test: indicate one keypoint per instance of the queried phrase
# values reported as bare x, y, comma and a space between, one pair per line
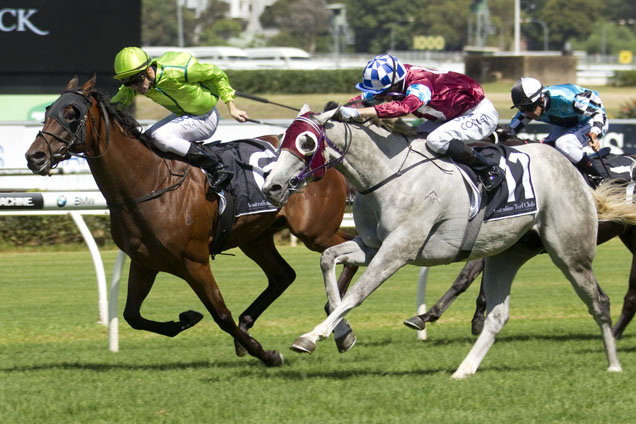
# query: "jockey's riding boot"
489, 173
587, 166
212, 163
590, 171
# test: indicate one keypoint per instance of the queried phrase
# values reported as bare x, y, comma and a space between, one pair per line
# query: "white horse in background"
412, 208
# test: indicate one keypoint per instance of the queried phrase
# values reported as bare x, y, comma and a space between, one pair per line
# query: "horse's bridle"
81, 103
323, 140
305, 122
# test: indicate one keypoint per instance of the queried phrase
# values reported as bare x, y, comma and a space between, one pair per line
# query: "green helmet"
130, 61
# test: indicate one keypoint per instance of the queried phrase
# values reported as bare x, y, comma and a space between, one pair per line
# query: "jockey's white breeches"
571, 141
175, 133
473, 125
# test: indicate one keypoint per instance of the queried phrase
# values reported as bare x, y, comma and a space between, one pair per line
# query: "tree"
300, 22
448, 19
373, 22
570, 19
213, 28
159, 23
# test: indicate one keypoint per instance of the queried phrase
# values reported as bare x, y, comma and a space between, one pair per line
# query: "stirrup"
222, 178
492, 178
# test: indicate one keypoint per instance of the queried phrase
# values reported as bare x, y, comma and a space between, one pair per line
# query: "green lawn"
547, 366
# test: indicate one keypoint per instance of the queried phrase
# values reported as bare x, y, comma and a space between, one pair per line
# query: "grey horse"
413, 208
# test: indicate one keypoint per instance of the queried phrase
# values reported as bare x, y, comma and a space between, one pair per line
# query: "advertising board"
45, 43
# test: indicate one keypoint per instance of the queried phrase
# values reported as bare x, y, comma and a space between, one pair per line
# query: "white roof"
277, 53
218, 52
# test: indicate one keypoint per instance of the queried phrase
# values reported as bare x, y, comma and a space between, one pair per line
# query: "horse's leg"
279, 276
383, 263
629, 301
140, 281
576, 265
465, 278
202, 282
317, 238
343, 334
477, 323
499, 272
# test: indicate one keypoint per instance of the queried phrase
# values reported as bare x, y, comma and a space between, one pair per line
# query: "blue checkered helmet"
381, 73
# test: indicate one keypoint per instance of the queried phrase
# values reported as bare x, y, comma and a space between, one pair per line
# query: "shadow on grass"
103, 367
508, 338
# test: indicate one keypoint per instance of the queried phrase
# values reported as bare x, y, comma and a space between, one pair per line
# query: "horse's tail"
614, 203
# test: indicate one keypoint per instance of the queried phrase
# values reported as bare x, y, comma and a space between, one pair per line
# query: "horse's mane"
124, 118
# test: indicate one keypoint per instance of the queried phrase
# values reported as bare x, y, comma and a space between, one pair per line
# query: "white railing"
76, 204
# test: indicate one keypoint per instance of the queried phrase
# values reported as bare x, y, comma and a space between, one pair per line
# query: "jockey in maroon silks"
454, 106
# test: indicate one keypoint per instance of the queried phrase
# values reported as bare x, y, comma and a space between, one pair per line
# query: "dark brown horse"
164, 220
606, 231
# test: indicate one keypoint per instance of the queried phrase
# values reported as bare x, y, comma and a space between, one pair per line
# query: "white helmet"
381, 73
526, 92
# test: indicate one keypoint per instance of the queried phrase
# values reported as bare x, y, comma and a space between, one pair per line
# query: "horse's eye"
306, 143
71, 113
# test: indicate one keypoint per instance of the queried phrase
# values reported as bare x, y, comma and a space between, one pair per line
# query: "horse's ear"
325, 116
88, 85
72, 84
304, 109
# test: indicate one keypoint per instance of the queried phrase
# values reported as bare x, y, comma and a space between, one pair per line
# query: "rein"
323, 139
153, 194
82, 103
398, 173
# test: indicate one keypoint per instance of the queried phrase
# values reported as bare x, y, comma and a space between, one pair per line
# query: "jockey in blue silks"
577, 113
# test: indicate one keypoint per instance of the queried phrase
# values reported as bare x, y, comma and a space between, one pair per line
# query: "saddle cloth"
250, 160
619, 166
514, 197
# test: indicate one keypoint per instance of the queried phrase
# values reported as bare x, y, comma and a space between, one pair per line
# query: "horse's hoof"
274, 359
415, 323
239, 349
345, 342
617, 332
189, 319
615, 368
303, 345
477, 325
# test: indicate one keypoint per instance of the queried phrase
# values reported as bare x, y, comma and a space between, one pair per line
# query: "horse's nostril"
38, 156
274, 188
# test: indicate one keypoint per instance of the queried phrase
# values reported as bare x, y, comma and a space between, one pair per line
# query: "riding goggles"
530, 107
135, 79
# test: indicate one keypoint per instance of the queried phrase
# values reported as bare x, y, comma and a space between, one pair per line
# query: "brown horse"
164, 220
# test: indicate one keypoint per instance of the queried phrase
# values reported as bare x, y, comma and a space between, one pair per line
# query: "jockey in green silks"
190, 91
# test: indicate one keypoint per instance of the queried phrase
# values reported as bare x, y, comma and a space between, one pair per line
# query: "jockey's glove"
347, 113
506, 133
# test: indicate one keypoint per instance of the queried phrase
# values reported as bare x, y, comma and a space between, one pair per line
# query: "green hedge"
624, 79
51, 230
60, 232
295, 81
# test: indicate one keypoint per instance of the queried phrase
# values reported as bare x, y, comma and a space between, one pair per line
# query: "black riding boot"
587, 166
489, 173
221, 175
590, 171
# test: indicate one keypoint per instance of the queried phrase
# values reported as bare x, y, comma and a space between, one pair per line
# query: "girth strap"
472, 229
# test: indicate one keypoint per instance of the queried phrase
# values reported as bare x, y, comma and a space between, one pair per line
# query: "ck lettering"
19, 20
